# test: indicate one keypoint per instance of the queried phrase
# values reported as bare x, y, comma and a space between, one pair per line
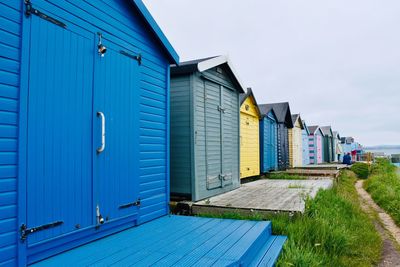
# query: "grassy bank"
332, 232
384, 187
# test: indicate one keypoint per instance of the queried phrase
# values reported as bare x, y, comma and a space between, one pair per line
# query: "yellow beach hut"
249, 135
295, 142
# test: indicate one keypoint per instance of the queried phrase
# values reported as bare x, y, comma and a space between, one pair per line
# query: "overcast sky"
336, 61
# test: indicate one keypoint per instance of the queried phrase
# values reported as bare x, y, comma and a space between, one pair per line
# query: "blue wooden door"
59, 132
116, 111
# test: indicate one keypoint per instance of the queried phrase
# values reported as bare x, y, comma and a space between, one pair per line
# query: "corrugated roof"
282, 112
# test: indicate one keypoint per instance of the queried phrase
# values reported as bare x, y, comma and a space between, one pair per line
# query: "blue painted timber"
53, 83
180, 241
268, 141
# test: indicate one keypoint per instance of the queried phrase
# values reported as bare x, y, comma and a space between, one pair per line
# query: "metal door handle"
103, 132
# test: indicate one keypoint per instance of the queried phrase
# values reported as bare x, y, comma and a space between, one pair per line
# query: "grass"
384, 188
333, 231
285, 176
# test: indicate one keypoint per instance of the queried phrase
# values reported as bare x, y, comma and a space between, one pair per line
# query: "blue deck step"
180, 241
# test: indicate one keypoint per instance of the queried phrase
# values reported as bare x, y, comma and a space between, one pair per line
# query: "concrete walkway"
264, 196
391, 232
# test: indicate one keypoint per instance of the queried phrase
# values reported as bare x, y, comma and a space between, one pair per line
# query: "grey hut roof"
264, 110
204, 64
313, 129
336, 134
249, 93
327, 130
282, 112
294, 119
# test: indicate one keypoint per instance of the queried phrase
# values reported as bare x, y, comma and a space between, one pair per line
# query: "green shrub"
361, 170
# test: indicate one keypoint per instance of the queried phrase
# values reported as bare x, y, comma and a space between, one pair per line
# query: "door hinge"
29, 10
128, 205
25, 231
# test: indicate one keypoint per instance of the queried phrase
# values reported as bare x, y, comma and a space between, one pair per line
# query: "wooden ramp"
263, 196
180, 241
314, 172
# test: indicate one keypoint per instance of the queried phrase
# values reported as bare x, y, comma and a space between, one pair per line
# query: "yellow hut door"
249, 140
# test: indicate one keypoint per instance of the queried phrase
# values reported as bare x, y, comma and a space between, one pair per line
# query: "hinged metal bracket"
128, 205
25, 231
221, 109
138, 57
29, 10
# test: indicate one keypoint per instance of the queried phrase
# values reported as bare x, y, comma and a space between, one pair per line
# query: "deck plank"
152, 243
174, 241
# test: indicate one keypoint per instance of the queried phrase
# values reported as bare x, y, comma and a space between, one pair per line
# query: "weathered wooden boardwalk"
263, 196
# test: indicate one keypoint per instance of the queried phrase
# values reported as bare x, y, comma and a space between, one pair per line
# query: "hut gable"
297, 121
306, 129
327, 130
248, 104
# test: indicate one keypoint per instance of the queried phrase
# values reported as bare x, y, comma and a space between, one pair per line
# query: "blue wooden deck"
180, 241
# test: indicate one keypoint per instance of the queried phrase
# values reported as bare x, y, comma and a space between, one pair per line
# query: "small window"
219, 70
247, 107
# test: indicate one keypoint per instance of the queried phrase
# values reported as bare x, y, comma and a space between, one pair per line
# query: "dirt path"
385, 226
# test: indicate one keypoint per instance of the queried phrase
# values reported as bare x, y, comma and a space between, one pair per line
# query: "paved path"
265, 195
390, 255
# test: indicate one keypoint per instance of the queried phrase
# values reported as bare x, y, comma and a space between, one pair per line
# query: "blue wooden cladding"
54, 89
268, 139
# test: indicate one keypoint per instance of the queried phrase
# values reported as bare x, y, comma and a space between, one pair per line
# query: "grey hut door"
213, 134
219, 116
228, 134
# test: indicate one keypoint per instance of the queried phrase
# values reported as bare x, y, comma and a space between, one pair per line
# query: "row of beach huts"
100, 123
221, 134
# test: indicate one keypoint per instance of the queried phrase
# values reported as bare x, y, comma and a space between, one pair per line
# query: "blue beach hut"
268, 139
284, 123
84, 129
